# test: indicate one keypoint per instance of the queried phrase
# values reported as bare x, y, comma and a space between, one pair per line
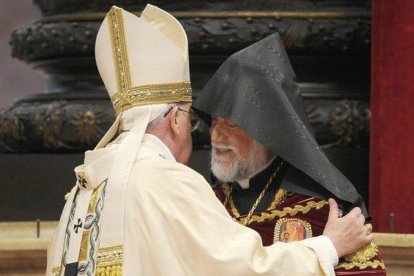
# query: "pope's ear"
174, 120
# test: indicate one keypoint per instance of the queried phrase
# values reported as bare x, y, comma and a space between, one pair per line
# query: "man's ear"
174, 120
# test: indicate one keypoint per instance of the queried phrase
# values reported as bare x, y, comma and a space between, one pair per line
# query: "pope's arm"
178, 210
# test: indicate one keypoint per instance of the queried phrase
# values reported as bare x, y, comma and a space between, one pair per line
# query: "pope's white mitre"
143, 60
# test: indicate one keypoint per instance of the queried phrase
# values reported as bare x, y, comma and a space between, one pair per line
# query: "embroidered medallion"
291, 229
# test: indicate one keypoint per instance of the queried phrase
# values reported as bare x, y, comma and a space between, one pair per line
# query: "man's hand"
348, 233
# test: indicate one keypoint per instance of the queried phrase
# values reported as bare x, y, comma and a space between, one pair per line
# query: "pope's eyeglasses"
194, 119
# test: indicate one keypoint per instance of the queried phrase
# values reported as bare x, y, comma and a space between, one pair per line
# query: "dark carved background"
328, 43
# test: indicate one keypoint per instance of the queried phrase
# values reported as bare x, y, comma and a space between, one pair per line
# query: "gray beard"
240, 168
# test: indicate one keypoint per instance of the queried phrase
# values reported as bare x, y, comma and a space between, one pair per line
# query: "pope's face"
234, 155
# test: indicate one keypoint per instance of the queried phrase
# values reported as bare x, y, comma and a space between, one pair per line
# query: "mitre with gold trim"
143, 60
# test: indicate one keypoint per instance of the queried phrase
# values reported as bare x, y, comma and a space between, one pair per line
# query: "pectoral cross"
77, 226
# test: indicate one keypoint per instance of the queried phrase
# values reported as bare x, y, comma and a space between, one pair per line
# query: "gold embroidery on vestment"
94, 197
279, 198
361, 259
115, 270
229, 200
88, 243
83, 253
290, 211
369, 264
109, 258
364, 254
56, 271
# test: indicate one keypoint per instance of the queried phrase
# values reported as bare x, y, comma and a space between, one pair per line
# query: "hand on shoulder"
347, 233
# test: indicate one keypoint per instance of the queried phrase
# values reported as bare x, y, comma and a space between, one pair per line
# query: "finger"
358, 219
355, 212
333, 209
361, 219
368, 229
340, 213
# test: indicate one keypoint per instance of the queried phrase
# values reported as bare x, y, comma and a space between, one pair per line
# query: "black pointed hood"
256, 88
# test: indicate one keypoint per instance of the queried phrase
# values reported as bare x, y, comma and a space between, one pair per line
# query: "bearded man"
272, 175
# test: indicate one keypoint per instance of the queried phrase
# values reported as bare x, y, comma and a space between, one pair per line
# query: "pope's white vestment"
175, 225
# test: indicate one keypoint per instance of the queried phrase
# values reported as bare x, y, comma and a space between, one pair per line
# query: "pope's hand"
347, 233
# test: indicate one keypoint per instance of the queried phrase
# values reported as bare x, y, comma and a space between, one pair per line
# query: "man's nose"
216, 133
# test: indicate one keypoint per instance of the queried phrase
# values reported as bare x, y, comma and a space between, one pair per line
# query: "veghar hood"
256, 88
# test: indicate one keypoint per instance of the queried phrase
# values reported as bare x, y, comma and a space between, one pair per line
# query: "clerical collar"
162, 145
245, 183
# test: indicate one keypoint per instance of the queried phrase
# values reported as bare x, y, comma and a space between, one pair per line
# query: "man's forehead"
215, 117
228, 124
